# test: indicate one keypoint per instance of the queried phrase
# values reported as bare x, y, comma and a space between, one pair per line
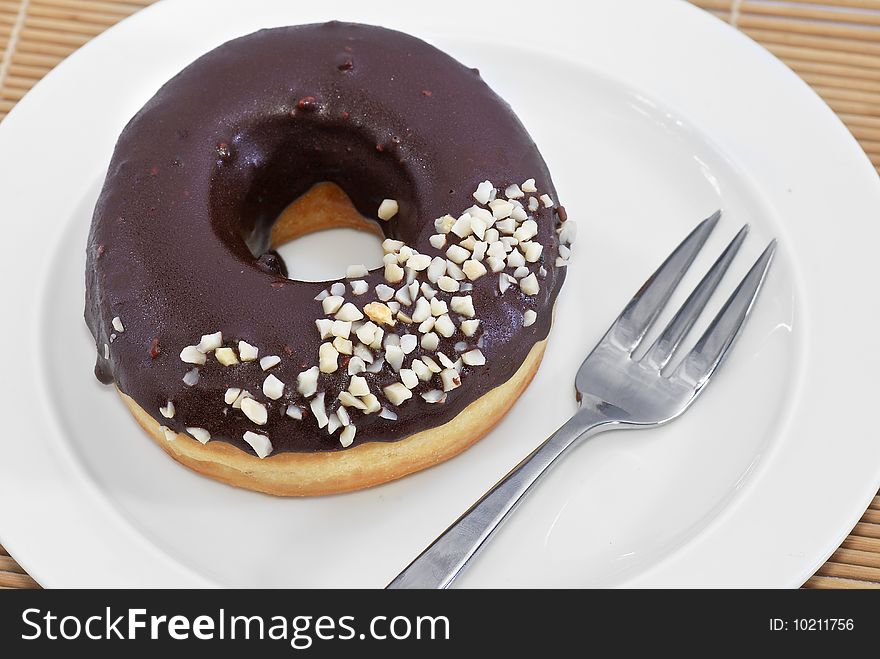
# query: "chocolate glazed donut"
191, 309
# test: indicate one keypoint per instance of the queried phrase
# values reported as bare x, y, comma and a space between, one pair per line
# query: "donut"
300, 387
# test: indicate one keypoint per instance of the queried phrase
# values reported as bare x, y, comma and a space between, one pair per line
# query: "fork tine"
663, 348
715, 344
640, 313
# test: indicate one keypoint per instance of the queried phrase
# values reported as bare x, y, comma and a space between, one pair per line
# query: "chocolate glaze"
179, 236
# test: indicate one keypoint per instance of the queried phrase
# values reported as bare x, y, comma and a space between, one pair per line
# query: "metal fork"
615, 390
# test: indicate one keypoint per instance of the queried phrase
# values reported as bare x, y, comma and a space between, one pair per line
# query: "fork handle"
448, 555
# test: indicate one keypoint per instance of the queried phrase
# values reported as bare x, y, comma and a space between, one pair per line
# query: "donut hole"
320, 234
291, 175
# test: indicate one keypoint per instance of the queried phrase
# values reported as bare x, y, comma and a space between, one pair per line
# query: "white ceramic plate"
651, 115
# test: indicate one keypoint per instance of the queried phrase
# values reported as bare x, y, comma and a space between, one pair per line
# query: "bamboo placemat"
832, 44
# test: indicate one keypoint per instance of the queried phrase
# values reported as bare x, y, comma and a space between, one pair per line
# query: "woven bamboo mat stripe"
832, 44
